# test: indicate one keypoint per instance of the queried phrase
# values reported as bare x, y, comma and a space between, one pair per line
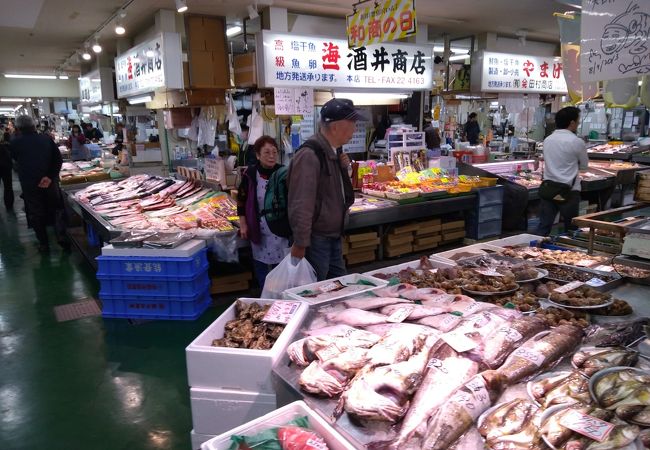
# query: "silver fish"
368, 303
513, 425
397, 346
441, 322
356, 317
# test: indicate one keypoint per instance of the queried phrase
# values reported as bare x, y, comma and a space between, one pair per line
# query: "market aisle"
85, 383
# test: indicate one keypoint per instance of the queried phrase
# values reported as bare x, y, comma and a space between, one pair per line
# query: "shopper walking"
39, 162
77, 144
565, 154
268, 249
5, 170
320, 190
472, 129
92, 133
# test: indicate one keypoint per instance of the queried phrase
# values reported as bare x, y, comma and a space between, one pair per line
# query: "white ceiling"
40, 35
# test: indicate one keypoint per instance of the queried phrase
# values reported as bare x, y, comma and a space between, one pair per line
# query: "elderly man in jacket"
320, 190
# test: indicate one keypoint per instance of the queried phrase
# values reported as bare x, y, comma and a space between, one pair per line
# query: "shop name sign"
504, 72
152, 65
324, 63
90, 88
381, 22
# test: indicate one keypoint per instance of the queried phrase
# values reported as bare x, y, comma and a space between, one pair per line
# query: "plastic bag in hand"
290, 273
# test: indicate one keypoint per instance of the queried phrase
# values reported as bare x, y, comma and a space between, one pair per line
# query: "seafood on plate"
590, 360
557, 435
560, 389
511, 426
624, 387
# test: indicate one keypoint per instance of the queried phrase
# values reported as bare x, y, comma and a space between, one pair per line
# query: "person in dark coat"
5, 170
92, 133
39, 163
472, 129
268, 249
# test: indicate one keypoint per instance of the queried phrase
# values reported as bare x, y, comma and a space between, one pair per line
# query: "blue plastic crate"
92, 237
490, 195
150, 286
155, 307
145, 266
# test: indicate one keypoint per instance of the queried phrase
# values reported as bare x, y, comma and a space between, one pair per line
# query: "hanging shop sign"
324, 63
152, 65
504, 72
615, 39
96, 87
294, 101
381, 22
357, 144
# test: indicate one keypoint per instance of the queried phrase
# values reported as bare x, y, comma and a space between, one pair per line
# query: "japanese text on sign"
503, 72
615, 39
294, 101
281, 312
290, 60
389, 21
587, 425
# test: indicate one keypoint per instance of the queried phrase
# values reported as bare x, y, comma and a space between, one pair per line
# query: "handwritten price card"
281, 312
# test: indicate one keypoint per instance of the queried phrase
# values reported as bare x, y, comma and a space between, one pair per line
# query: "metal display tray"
618, 280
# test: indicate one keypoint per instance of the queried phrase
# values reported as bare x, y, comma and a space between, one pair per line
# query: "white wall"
16, 87
532, 48
317, 26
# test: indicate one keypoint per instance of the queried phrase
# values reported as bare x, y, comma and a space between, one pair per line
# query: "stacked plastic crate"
168, 284
485, 220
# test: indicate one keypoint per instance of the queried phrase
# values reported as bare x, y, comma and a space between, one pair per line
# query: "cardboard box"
399, 239
361, 236
245, 70
428, 230
453, 225
224, 288
427, 240
405, 228
360, 257
452, 236
398, 251
363, 244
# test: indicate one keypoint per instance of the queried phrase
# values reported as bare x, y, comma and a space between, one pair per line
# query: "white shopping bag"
290, 273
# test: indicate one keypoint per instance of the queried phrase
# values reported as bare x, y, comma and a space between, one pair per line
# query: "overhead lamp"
33, 77
119, 26
181, 6
11, 99
233, 30
458, 57
86, 54
63, 77
252, 12
96, 47
440, 49
141, 99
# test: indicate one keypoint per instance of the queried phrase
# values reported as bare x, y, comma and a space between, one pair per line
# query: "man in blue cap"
320, 190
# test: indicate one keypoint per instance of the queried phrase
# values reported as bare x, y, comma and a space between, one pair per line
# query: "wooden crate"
408, 228
427, 240
453, 236
374, 242
428, 230
420, 247
453, 225
361, 236
398, 250
398, 239
361, 257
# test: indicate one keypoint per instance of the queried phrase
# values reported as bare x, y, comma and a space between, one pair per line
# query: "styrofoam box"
281, 417
478, 249
293, 294
215, 411
410, 265
235, 368
185, 250
198, 439
519, 239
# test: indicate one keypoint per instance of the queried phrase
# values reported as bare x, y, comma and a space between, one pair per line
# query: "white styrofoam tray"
294, 293
215, 411
410, 265
519, 239
198, 439
185, 250
281, 417
234, 368
478, 249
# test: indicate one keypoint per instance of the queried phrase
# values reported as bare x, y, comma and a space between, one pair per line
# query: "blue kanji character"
295, 76
313, 64
312, 47
295, 64
349, 78
310, 76
295, 46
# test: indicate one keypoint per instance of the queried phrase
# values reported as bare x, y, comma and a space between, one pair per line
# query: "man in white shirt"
565, 154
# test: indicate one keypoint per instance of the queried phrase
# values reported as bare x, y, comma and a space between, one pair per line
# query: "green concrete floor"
88, 383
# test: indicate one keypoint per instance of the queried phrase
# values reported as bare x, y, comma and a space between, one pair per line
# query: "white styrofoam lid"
185, 250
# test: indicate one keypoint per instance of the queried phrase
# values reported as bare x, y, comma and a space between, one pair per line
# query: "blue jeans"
261, 271
326, 257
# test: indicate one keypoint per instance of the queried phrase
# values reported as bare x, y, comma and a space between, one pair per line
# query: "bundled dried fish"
248, 330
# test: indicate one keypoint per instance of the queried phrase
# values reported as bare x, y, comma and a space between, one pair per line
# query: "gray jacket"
319, 193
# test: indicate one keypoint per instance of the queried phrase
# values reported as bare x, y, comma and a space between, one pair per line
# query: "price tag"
568, 287
604, 268
472, 308
328, 287
316, 444
281, 312
459, 341
473, 397
489, 272
400, 315
511, 334
328, 352
437, 364
530, 355
595, 282
450, 321
587, 425
584, 263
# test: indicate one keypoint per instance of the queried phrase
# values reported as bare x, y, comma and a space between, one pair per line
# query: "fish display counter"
615, 151
490, 353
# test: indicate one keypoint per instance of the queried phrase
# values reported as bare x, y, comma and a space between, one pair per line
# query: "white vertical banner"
615, 39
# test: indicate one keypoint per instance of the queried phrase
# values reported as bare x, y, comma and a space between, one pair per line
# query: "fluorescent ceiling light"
233, 30
181, 6
11, 99
63, 77
141, 99
452, 49
35, 77
458, 58
17, 108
